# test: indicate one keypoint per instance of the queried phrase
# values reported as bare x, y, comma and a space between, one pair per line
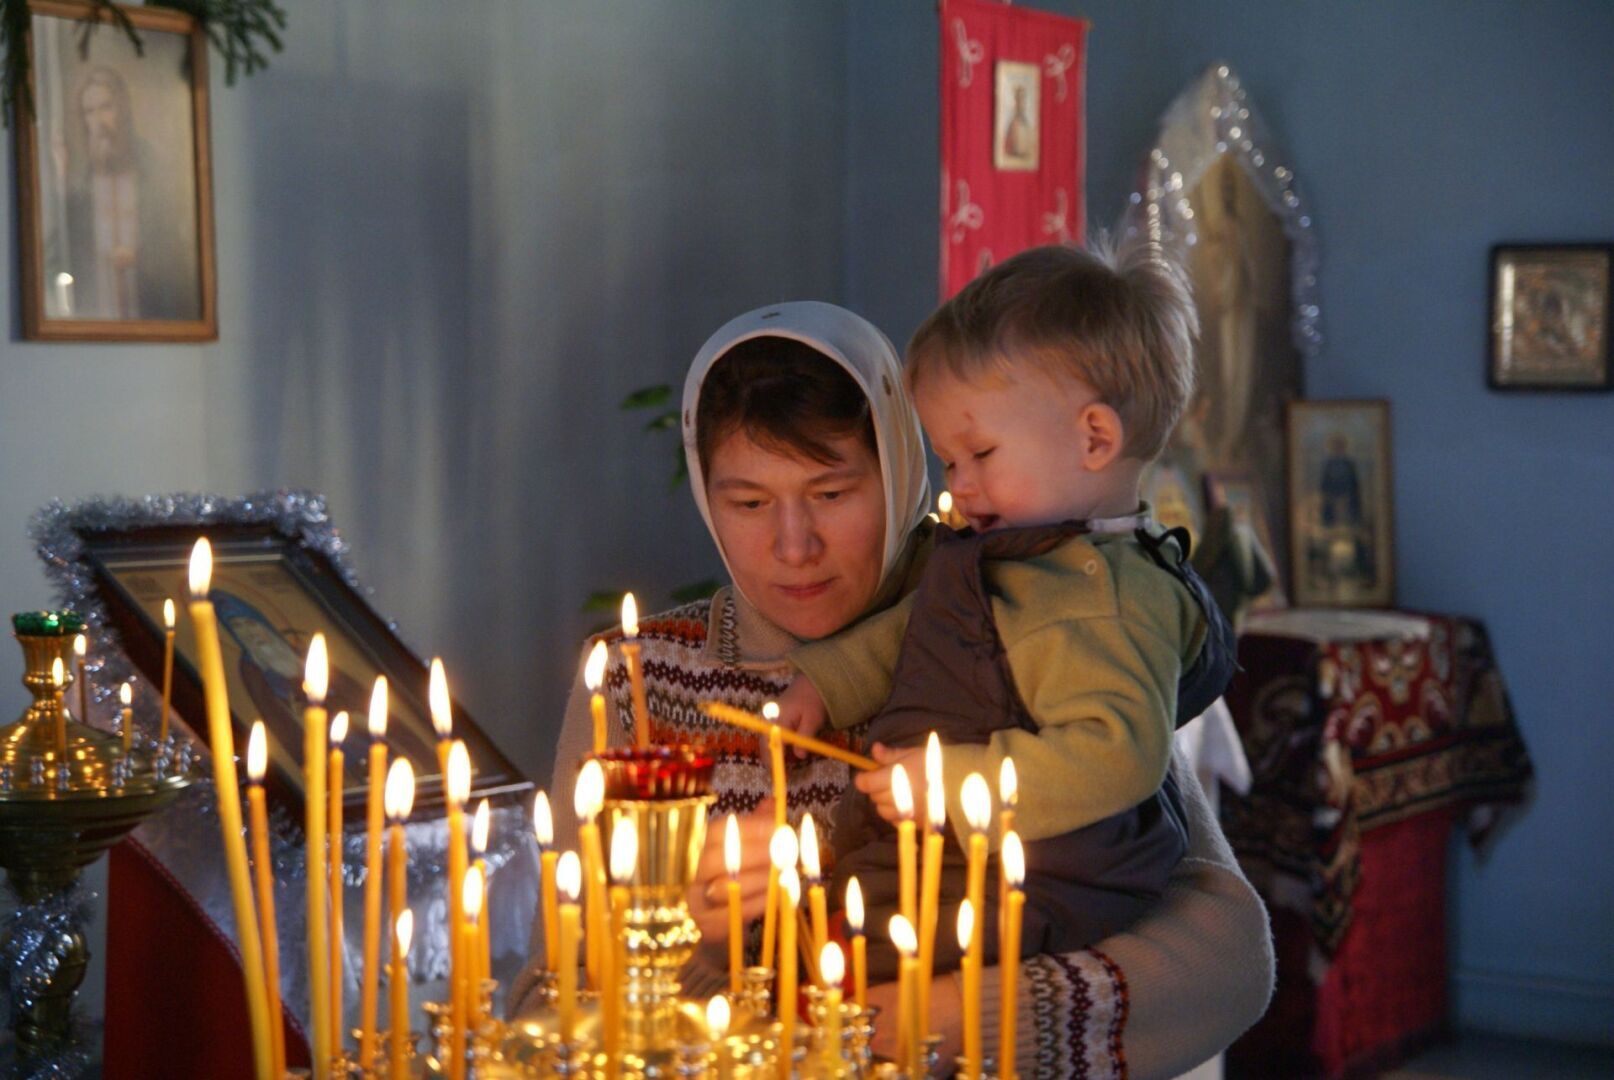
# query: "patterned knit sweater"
1152, 1001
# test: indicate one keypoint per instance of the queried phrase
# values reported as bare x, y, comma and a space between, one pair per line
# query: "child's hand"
877, 784
801, 710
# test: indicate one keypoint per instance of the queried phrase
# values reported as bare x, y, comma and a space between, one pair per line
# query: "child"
1063, 628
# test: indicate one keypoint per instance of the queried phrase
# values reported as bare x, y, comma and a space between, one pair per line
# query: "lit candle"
971, 968
731, 863
569, 879
58, 678
812, 870
81, 647
587, 798
781, 796
459, 791
481, 821
398, 990
907, 847
264, 874
832, 967
543, 831
717, 1023
789, 898
227, 789
902, 936
400, 802
594, 678
375, 824
168, 670
860, 943
1014, 875
930, 896
471, 903
335, 785
126, 699
1008, 798
783, 850
624, 861
630, 652
316, 679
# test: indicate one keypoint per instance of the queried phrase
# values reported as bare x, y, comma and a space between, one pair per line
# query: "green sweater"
1097, 637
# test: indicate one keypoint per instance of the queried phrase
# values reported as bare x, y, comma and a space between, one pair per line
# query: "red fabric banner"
1012, 134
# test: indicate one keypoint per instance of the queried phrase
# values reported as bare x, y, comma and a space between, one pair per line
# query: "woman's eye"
830, 496
982, 455
747, 504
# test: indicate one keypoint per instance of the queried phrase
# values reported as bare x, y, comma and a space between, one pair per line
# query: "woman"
806, 462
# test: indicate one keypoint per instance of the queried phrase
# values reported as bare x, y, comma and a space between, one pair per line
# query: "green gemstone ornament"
47, 623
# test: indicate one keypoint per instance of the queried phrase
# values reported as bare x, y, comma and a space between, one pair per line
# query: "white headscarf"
867, 355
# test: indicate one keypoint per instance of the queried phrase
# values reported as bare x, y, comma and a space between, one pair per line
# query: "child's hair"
1121, 319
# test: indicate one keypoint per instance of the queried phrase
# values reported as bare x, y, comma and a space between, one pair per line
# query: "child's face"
1017, 449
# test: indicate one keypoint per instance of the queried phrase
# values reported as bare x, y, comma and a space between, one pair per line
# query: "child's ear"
1098, 427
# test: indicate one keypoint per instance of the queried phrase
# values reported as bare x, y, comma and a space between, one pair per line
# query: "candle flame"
589, 794
168, 614
594, 669
81, 645
902, 792
903, 937
944, 503
977, 799
1014, 860
543, 821
339, 724
405, 930
317, 671
1008, 784
398, 796
630, 616
782, 849
731, 846
624, 851
809, 849
480, 822
257, 752
935, 791
770, 711
966, 925
376, 720
459, 774
854, 906
437, 698
57, 675
717, 1016
832, 964
790, 885
126, 695
472, 893
201, 569
569, 875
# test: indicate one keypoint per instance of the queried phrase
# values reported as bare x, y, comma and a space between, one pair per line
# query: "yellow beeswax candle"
1014, 875
731, 863
594, 678
588, 797
832, 969
860, 943
168, 671
81, 647
783, 850
569, 879
316, 679
970, 967
227, 789
126, 717
459, 791
907, 943
375, 825
624, 862
400, 803
907, 847
481, 822
781, 795
336, 788
977, 800
58, 679
930, 894
471, 904
717, 1023
543, 830
398, 991
789, 898
1008, 798
631, 652
814, 873
264, 875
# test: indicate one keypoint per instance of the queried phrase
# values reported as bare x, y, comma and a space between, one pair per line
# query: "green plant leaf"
700, 590
604, 601
649, 397
667, 421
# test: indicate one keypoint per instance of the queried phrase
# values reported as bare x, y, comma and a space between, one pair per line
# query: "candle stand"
68, 792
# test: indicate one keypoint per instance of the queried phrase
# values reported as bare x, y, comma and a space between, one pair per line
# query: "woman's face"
804, 540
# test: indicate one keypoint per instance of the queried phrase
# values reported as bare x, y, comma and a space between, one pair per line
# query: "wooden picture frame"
1551, 306
114, 179
272, 592
1341, 511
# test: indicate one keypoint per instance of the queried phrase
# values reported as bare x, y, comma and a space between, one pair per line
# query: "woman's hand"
876, 784
801, 709
946, 1016
708, 895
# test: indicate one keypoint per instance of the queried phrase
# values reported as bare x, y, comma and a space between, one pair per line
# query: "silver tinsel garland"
29, 958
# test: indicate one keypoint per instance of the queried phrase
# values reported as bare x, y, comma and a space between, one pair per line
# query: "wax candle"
832, 968
970, 967
481, 822
1014, 875
398, 991
1008, 798
168, 671
860, 943
227, 789
930, 896
459, 791
783, 850
907, 943
569, 879
58, 679
334, 784
717, 1024
624, 862
789, 898
81, 647
374, 824
126, 717
907, 847
594, 678
316, 678
264, 874
588, 797
813, 872
400, 802
630, 652
731, 863
977, 800
471, 904
543, 831
781, 798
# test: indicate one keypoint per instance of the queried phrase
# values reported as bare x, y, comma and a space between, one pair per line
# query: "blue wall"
1422, 133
